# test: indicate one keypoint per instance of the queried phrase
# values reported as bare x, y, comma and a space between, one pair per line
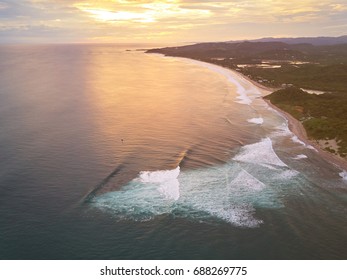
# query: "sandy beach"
294, 125
298, 129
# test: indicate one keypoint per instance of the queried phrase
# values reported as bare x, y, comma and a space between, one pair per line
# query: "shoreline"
294, 125
255, 83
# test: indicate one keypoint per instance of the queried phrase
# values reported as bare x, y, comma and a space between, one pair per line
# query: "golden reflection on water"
160, 110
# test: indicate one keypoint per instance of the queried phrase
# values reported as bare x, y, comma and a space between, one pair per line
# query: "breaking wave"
256, 120
260, 153
297, 140
247, 181
343, 175
167, 181
300, 156
230, 192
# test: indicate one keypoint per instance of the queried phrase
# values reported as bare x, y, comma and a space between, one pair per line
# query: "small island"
307, 78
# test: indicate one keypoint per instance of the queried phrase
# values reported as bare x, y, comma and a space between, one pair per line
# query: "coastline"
298, 129
294, 125
255, 83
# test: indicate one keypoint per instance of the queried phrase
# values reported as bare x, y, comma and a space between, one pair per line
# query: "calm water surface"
114, 154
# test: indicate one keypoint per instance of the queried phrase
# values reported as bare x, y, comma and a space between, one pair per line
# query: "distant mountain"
316, 41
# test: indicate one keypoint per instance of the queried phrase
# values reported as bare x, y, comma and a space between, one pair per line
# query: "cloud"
168, 19
141, 12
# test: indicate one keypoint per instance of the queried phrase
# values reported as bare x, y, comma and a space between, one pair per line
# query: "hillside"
317, 41
323, 116
255, 52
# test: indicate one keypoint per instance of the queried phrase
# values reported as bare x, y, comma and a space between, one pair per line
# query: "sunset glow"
167, 21
104, 15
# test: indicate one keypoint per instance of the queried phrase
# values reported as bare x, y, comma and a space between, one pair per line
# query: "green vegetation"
323, 116
331, 78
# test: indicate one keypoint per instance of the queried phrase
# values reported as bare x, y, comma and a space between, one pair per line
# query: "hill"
275, 63
255, 52
316, 41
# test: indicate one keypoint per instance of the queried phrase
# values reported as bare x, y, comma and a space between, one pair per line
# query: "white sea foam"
226, 193
311, 148
221, 192
246, 180
269, 108
256, 120
282, 130
297, 140
242, 97
150, 194
229, 192
286, 174
300, 156
159, 175
240, 215
260, 153
168, 184
343, 175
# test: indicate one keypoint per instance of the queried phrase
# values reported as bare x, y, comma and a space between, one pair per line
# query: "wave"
150, 194
312, 148
103, 183
281, 130
301, 156
286, 174
256, 120
343, 175
229, 192
297, 140
182, 156
247, 181
167, 181
224, 193
260, 153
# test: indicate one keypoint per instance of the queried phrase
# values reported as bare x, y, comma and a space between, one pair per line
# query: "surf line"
99, 186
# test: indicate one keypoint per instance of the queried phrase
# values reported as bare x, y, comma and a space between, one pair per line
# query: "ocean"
108, 153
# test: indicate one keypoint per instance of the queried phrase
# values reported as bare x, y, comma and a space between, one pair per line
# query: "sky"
170, 21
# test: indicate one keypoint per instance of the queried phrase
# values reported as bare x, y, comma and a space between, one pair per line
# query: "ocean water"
114, 154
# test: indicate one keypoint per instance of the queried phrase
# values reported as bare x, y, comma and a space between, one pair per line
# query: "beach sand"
298, 129
296, 126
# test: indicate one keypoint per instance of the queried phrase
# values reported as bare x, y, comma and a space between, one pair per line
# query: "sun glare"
146, 12
105, 15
